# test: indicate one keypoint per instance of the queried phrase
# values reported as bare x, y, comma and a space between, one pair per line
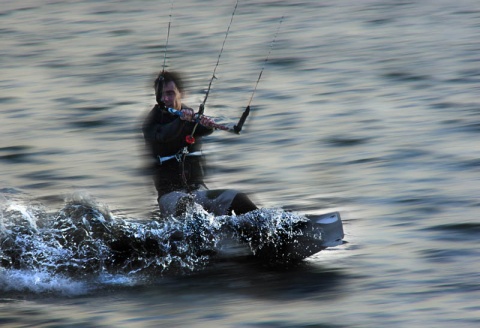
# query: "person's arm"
204, 127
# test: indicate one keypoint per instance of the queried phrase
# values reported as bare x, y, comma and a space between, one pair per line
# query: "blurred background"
368, 107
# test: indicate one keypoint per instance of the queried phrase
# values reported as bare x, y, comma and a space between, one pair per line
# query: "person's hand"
207, 122
187, 114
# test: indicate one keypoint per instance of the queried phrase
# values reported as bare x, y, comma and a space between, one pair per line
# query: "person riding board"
178, 169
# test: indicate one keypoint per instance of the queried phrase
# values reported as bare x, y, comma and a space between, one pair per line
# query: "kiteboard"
281, 239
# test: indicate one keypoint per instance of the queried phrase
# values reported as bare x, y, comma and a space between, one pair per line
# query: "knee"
241, 204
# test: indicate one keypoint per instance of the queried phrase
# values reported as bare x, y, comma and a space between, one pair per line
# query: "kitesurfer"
175, 143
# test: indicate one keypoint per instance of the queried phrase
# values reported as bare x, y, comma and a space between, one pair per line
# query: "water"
367, 107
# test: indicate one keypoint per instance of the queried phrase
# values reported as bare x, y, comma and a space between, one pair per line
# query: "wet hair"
166, 77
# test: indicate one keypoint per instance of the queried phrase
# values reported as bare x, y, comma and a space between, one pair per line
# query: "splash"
82, 241
12, 280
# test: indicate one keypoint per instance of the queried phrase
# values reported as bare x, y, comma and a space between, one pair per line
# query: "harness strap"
177, 156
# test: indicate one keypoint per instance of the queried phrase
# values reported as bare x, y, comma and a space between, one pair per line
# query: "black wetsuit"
165, 135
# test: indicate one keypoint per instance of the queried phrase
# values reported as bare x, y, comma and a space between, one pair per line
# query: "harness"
178, 156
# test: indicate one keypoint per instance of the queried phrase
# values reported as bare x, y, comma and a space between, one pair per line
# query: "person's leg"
224, 201
175, 203
241, 204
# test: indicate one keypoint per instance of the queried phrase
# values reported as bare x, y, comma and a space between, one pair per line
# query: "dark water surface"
366, 107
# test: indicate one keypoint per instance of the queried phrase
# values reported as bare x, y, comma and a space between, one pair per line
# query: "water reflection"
294, 283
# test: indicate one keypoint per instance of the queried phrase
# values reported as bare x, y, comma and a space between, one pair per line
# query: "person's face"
171, 96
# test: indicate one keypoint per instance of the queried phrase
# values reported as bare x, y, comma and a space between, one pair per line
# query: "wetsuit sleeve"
164, 128
203, 131
200, 130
